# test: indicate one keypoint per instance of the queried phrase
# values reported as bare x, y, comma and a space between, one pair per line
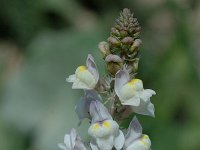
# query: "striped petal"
92, 67
99, 112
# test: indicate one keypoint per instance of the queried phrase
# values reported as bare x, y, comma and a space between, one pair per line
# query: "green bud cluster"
124, 42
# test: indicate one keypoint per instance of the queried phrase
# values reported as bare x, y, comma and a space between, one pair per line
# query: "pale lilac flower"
72, 141
134, 139
82, 108
131, 92
85, 77
103, 129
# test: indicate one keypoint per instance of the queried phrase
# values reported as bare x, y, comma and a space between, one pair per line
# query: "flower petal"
134, 132
67, 141
92, 67
72, 141
71, 78
73, 136
93, 145
103, 129
62, 146
99, 112
79, 144
146, 94
83, 106
121, 78
80, 85
134, 101
143, 143
136, 145
92, 94
105, 143
119, 140
82, 109
145, 108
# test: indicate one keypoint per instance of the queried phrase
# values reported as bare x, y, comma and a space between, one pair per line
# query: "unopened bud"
136, 34
114, 31
135, 45
117, 27
113, 41
113, 67
135, 64
104, 48
126, 12
113, 58
131, 30
138, 29
114, 64
126, 23
123, 33
127, 40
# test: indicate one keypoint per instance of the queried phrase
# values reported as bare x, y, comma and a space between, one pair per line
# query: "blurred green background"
43, 41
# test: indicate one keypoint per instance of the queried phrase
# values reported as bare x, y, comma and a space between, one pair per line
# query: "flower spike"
121, 93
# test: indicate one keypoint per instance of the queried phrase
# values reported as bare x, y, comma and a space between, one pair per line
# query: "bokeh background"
43, 41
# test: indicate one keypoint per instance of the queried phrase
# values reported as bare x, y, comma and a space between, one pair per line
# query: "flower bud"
135, 45
135, 64
104, 48
138, 29
117, 27
123, 33
126, 11
131, 24
114, 64
113, 58
113, 41
127, 40
114, 31
136, 34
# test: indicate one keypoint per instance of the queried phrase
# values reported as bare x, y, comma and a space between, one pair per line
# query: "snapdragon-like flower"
85, 77
121, 55
72, 141
103, 129
131, 92
134, 139
83, 106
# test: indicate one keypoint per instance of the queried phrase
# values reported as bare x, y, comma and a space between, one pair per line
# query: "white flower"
134, 139
131, 92
104, 130
72, 141
85, 77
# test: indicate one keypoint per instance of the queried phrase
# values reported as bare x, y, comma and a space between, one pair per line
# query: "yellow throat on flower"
129, 89
85, 76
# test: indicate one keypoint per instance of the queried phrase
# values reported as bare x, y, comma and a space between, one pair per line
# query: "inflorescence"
109, 100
